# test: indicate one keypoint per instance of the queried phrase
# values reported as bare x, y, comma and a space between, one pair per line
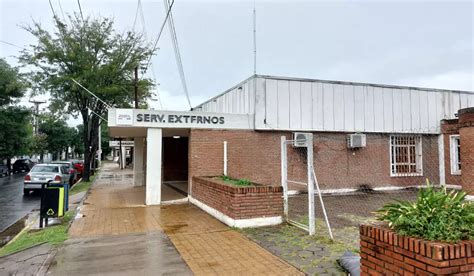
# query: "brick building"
410, 134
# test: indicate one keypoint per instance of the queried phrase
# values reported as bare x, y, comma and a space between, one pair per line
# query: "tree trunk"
90, 142
9, 164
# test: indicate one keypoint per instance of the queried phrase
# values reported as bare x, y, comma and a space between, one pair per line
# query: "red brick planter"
238, 202
383, 252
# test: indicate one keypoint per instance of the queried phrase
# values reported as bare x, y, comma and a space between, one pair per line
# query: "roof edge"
225, 92
364, 84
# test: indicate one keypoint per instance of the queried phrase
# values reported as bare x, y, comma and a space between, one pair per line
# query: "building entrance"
175, 168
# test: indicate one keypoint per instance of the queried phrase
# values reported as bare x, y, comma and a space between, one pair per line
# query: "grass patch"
236, 182
53, 235
83, 185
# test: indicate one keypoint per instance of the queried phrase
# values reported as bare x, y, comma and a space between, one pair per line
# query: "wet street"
13, 205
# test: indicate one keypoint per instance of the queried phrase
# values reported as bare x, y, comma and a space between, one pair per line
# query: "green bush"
243, 182
436, 215
237, 182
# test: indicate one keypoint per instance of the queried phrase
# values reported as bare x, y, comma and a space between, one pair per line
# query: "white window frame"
453, 153
418, 156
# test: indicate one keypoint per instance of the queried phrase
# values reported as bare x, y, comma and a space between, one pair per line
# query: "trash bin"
54, 201
65, 186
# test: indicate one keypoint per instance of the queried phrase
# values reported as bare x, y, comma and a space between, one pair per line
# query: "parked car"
21, 165
4, 170
42, 173
71, 170
79, 166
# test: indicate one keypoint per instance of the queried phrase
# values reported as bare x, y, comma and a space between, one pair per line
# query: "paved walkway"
114, 212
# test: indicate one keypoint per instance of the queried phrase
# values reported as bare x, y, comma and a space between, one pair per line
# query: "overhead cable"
176, 52
159, 35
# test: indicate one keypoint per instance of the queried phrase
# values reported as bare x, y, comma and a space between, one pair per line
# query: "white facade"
279, 103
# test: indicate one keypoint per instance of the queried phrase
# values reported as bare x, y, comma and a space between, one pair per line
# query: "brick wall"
239, 202
448, 128
383, 252
466, 132
256, 156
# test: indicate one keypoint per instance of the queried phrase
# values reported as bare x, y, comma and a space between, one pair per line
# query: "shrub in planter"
436, 215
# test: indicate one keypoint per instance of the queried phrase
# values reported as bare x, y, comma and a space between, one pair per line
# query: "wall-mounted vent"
356, 140
300, 139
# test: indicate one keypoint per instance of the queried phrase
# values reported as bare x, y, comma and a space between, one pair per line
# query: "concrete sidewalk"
119, 234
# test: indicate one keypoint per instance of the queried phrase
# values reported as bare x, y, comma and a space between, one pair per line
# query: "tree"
15, 132
58, 134
77, 144
39, 145
91, 52
11, 86
15, 122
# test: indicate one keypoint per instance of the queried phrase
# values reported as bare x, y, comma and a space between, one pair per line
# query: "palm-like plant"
436, 215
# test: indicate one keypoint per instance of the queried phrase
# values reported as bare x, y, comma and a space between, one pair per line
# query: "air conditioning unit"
357, 140
300, 139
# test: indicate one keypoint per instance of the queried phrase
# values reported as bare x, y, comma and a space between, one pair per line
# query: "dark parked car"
4, 170
22, 165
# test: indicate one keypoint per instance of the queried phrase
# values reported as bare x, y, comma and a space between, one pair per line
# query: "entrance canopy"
160, 144
134, 122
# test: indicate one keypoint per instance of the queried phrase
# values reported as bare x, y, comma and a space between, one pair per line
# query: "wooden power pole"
136, 87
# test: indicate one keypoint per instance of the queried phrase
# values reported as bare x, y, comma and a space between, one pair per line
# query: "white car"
44, 173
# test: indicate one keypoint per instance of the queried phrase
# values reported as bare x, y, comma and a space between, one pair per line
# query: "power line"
61, 9
254, 39
11, 44
177, 54
142, 18
80, 10
159, 35
136, 15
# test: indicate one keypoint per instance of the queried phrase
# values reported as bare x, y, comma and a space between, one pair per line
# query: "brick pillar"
466, 133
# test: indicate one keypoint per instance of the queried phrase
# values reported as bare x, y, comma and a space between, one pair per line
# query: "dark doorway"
175, 159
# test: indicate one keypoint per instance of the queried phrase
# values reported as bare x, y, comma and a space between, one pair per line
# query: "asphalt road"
13, 205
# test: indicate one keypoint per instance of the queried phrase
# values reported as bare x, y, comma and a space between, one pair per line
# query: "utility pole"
136, 87
36, 113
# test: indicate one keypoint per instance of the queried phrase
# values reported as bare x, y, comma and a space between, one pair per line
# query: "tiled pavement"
115, 207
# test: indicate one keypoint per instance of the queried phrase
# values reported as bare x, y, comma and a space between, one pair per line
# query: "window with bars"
455, 145
406, 155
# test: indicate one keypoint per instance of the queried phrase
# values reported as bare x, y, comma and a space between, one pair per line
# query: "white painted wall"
318, 105
153, 166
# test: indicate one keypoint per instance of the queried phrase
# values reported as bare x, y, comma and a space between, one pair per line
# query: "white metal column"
309, 155
284, 176
153, 172
138, 160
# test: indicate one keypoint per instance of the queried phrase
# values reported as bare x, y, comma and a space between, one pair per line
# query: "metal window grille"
406, 155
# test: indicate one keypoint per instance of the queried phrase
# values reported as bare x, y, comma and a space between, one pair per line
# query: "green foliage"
15, 126
92, 52
82, 186
53, 235
39, 144
436, 215
59, 136
15, 131
237, 182
11, 85
243, 182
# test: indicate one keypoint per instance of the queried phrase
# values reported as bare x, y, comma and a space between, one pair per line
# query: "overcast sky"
424, 43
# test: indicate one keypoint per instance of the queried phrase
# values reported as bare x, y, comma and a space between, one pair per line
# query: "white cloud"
176, 102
